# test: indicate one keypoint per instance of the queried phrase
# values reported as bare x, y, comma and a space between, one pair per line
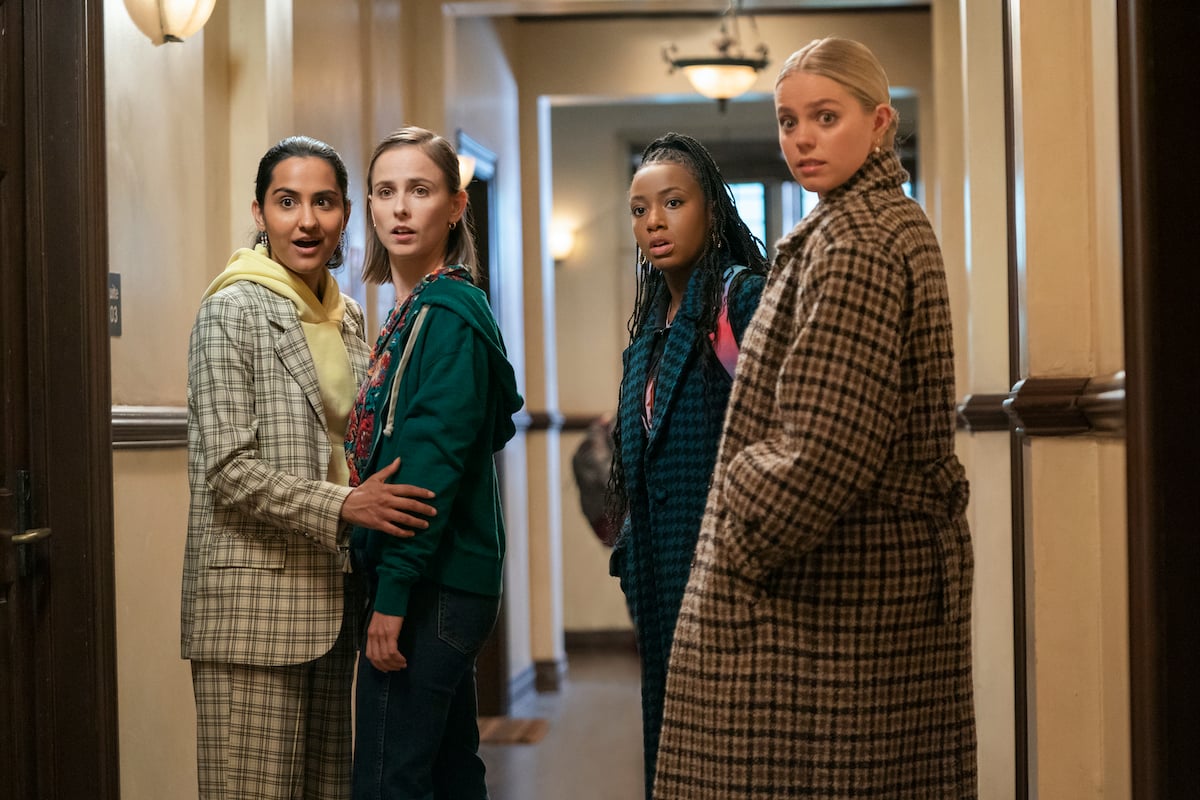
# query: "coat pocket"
247, 553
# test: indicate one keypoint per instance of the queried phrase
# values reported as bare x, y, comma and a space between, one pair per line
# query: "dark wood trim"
149, 426
545, 420
1160, 170
1016, 451
1050, 407
549, 674
1047, 407
558, 421
1103, 403
72, 439
978, 413
614, 640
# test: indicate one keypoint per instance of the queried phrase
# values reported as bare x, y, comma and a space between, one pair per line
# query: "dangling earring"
338, 257
877, 146
264, 241
716, 240
641, 258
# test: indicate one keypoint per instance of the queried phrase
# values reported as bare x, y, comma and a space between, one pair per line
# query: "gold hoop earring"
453, 225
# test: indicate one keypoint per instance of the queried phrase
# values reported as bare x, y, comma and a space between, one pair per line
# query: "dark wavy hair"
304, 147
729, 243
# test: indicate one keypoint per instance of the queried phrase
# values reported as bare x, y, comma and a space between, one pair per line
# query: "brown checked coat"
823, 647
262, 579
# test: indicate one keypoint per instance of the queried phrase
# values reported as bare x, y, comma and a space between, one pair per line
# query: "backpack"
725, 344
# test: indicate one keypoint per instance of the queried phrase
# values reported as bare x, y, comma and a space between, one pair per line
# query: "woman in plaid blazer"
823, 647
701, 272
275, 358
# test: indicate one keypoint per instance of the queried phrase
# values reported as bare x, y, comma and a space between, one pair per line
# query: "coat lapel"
633, 400
292, 349
678, 352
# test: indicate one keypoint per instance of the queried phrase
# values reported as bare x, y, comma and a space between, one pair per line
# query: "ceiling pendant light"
169, 20
728, 74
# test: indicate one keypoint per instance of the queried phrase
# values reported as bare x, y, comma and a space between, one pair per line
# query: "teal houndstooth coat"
667, 475
823, 646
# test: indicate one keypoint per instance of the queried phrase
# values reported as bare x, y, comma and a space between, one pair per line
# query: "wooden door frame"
1160, 173
70, 393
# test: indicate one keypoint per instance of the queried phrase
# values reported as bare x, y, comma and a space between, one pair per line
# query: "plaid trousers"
276, 733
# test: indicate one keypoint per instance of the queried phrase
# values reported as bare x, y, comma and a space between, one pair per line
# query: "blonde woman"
823, 648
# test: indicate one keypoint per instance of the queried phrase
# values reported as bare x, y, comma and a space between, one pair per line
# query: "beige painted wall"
1069, 264
159, 241
482, 92
180, 176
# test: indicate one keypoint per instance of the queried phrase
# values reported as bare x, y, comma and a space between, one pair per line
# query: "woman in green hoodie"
439, 393
276, 356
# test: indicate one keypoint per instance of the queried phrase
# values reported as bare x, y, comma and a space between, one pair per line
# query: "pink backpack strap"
724, 343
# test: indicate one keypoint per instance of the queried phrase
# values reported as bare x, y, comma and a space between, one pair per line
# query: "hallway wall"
187, 122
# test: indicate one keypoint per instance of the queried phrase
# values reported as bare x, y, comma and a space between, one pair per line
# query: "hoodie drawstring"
395, 387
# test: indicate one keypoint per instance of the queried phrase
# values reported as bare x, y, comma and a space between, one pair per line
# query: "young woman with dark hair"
700, 273
276, 355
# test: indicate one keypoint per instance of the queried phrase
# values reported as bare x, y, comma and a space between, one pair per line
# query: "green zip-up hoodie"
453, 412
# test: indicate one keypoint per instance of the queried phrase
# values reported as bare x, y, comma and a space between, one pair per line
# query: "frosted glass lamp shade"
169, 20
720, 81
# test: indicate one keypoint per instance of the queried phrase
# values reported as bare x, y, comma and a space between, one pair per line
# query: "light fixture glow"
169, 20
466, 170
726, 75
720, 81
562, 242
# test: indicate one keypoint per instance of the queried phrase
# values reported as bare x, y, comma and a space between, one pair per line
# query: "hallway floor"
593, 750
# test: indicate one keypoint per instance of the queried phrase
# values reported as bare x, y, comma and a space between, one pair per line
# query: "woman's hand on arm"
390, 508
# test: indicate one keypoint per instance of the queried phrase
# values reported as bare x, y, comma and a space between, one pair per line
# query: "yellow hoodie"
321, 321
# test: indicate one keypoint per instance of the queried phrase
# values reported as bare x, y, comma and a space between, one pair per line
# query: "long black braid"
733, 244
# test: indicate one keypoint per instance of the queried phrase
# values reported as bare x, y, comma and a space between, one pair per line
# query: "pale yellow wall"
968, 55
160, 201
482, 92
1069, 256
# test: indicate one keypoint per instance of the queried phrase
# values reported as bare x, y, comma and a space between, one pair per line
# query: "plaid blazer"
262, 577
823, 646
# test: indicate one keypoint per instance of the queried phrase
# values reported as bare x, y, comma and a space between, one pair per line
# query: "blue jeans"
417, 737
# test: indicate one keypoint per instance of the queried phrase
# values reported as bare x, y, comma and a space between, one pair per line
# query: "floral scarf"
360, 429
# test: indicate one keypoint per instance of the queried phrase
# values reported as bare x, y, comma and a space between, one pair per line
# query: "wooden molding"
557, 421
1047, 407
608, 640
1103, 403
549, 674
983, 412
1050, 407
149, 426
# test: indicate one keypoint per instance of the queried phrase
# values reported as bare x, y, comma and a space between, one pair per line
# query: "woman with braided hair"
700, 273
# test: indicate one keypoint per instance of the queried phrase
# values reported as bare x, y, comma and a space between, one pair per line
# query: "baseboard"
549, 674
616, 640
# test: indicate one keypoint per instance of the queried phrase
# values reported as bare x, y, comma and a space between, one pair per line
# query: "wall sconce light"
728, 74
562, 242
169, 20
466, 170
